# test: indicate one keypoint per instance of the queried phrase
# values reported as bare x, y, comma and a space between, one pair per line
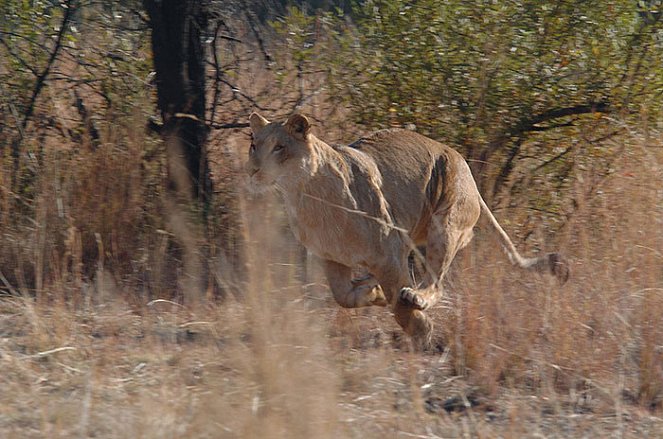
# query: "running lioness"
369, 204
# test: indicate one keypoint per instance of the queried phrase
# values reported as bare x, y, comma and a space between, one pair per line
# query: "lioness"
370, 203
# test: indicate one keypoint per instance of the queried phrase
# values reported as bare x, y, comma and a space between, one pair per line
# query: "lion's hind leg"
352, 292
449, 232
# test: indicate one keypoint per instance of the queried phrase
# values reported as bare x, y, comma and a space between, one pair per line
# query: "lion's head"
280, 153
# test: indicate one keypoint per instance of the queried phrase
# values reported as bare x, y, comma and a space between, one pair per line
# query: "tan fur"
370, 203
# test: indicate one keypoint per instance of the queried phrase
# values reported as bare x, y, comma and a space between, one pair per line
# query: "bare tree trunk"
179, 61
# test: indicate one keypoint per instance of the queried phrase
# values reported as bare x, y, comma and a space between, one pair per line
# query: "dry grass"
91, 344
517, 356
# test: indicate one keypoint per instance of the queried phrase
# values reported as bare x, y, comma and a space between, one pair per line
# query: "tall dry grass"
100, 344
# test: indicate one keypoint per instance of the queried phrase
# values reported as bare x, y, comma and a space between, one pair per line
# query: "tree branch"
552, 127
70, 8
217, 76
18, 58
258, 37
88, 122
507, 167
530, 124
549, 161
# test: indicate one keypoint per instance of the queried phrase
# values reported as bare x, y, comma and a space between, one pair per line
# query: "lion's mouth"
257, 185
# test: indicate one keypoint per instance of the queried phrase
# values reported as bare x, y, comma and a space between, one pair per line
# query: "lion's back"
406, 161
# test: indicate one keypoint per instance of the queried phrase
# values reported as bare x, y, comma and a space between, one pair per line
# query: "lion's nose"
251, 169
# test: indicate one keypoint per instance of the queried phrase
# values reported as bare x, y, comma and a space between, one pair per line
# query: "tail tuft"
552, 263
559, 267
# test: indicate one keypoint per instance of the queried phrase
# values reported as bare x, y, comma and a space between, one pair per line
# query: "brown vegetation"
103, 359
100, 338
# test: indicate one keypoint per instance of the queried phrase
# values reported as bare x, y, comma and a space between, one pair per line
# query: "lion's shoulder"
381, 137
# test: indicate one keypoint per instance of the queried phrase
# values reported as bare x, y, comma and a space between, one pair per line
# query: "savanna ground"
516, 356
100, 338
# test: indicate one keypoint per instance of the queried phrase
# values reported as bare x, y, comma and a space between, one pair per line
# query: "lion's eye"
278, 148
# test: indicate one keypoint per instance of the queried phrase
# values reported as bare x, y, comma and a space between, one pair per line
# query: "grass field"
515, 355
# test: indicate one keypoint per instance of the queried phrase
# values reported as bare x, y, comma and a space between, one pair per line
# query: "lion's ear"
298, 126
257, 122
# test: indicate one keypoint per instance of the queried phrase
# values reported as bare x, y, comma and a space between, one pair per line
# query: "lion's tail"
552, 263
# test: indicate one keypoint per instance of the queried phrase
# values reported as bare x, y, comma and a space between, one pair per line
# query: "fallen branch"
49, 352
227, 126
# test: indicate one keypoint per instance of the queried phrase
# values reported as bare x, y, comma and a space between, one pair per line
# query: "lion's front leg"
352, 293
394, 278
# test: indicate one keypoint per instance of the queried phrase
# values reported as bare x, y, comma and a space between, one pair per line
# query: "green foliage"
488, 75
26, 34
299, 32
104, 51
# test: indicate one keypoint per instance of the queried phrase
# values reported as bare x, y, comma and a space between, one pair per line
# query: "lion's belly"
337, 238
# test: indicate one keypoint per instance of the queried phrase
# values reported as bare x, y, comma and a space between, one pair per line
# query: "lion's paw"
410, 297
